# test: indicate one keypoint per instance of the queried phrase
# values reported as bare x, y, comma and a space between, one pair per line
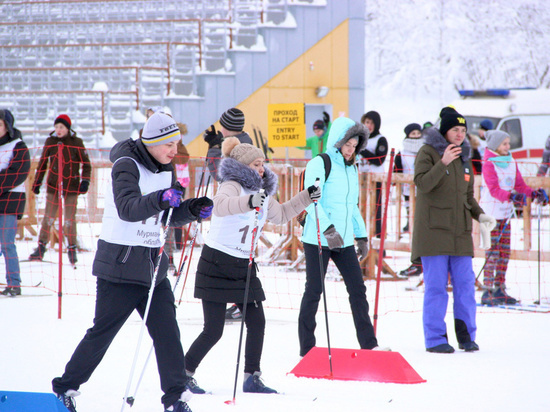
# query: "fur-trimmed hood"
231, 169
434, 138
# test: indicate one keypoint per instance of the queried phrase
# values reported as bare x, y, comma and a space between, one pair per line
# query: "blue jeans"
8, 228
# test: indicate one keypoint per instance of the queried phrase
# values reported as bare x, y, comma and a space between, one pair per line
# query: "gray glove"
314, 192
333, 238
362, 247
257, 200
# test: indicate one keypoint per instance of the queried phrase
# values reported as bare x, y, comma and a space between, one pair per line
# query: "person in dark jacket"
445, 206
223, 267
15, 164
231, 125
143, 189
375, 154
75, 158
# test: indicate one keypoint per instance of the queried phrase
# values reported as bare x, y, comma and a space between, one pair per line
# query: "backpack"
328, 165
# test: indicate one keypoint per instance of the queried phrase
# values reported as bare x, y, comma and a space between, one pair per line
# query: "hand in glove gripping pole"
172, 197
257, 200
314, 191
518, 199
201, 207
540, 196
362, 247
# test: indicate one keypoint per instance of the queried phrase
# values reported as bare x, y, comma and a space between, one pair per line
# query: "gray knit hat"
233, 120
160, 129
495, 138
244, 153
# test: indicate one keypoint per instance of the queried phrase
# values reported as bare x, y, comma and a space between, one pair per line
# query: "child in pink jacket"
504, 188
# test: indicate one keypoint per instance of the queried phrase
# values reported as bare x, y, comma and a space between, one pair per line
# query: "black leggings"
214, 321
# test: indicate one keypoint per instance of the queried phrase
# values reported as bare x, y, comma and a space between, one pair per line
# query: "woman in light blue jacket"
340, 221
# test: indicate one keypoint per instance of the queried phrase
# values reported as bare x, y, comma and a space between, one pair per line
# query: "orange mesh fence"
279, 251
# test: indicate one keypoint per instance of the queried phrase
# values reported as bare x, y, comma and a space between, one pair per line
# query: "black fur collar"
434, 138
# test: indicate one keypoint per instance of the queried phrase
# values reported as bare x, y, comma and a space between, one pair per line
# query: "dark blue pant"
346, 261
214, 321
115, 302
436, 297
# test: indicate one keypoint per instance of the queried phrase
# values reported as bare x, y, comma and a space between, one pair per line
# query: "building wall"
326, 48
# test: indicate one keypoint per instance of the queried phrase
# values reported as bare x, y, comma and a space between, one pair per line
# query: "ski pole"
538, 255
189, 254
246, 290
191, 246
126, 399
322, 273
382, 238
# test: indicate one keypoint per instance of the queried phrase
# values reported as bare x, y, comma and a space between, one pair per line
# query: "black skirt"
222, 278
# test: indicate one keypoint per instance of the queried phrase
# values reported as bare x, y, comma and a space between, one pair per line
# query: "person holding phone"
445, 206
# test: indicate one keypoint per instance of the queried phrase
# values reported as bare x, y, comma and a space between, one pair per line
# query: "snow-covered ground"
509, 373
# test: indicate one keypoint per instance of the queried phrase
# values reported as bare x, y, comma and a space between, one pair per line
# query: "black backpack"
328, 165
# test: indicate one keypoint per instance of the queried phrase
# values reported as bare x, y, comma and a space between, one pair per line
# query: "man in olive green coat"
442, 238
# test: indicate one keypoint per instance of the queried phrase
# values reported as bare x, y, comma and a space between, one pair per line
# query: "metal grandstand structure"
101, 61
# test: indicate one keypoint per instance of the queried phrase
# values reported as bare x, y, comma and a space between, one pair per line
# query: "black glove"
334, 239
83, 188
326, 118
540, 196
201, 206
362, 247
212, 137
36, 189
257, 200
314, 192
518, 199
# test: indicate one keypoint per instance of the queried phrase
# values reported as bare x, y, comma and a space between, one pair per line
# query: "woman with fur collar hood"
341, 223
223, 265
442, 238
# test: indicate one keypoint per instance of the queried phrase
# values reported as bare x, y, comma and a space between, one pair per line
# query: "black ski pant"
214, 321
115, 302
346, 261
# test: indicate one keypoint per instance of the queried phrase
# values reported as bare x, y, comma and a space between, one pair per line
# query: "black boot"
38, 253
71, 252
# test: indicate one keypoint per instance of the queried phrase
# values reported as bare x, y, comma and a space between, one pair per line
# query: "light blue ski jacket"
338, 205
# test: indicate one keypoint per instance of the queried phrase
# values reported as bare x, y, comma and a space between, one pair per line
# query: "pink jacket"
491, 179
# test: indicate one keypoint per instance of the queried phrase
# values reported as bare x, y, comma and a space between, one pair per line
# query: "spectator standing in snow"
340, 221
374, 154
404, 163
318, 143
442, 238
504, 189
223, 266
231, 125
475, 144
75, 176
484, 126
125, 261
543, 168
15, 164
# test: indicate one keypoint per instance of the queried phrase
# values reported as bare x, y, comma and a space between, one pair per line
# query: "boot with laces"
67, 399
254, 384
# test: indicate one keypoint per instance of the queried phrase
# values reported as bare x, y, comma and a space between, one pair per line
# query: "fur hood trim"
231, 169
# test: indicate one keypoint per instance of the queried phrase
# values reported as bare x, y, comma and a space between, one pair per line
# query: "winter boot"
67, 399
71, 252
11, 291
181, 404
39, 252
254, 384
503, 297
412, 270
192, 386
443, 348
468, 346
488, 299
233, 313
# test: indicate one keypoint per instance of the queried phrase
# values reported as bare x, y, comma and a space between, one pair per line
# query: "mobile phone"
465, 151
